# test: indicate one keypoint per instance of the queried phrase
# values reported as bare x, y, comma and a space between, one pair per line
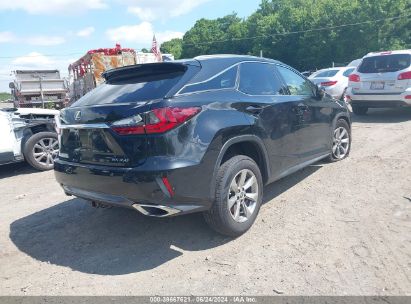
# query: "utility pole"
261, 53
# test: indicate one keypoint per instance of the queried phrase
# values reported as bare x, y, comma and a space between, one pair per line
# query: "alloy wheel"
341, 142
243, 195
45, 151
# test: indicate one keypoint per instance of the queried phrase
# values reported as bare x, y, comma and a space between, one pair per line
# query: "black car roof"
210, 65
232, 58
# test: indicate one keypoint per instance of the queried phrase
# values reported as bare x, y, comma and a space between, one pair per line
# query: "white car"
354, 63
29, 135
333, 80
382, 80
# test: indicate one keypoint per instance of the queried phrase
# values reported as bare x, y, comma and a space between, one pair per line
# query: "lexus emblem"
77, 116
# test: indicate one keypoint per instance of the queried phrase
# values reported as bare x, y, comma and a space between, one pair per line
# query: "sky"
50, 34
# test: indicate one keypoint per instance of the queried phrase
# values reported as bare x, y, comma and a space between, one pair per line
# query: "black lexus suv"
204, 134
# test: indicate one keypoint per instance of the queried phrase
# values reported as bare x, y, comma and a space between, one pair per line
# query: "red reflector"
166, 183
405, 75
354, 78
328, 83
408, 97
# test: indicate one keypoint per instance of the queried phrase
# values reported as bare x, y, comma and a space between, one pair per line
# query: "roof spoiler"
148, 68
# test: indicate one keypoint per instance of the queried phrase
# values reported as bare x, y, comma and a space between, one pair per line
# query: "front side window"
259, 79
296, 84
225, 80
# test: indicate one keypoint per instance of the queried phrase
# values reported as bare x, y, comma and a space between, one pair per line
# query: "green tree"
306, 34
4, 96
174, 46
225, 35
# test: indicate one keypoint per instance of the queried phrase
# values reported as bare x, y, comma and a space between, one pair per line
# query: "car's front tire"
341, 141
41, 149
238, 196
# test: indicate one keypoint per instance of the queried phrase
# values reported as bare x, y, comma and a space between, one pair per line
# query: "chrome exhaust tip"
155, 210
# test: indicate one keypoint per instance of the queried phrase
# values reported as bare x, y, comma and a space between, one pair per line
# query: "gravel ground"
331, 229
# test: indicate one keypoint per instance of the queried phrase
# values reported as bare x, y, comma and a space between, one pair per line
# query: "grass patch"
4, 96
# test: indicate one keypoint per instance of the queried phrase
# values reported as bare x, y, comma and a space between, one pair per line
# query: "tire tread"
28, 147
213, 216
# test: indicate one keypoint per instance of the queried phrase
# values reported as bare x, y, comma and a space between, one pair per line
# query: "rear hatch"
379, 74
86, 135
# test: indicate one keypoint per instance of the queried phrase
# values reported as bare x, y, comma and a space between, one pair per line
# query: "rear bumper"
135, 188
379, 100
379, 103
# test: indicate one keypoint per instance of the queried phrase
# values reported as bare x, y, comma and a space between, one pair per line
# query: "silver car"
333, 80
28, 134
382, 80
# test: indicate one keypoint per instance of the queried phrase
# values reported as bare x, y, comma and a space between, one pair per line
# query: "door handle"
254, 109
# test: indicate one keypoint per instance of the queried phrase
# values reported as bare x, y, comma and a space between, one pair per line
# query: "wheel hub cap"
45, 151
341, 142
243, 195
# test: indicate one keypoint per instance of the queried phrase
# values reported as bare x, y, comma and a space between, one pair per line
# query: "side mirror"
11, 85
320, 91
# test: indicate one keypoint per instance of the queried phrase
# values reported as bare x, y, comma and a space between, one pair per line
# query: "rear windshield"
329, 73
385, 63
140, 84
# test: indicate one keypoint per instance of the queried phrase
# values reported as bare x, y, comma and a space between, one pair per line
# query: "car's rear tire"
238, 197
41, 149
360, 110
341, 141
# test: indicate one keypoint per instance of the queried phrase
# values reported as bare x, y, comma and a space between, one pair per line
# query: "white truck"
39, 88
29, 135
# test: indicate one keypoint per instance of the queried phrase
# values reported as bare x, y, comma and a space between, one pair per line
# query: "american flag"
154, 49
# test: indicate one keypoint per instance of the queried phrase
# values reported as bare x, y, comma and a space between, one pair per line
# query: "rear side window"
141, 84
385, 63
329, 73
259, 79
348, 72
225, 80
296, 84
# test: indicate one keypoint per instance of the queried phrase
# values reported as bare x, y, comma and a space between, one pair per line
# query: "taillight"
354, 78
405, 75
328, 83
131, 125
156, 121
164, 119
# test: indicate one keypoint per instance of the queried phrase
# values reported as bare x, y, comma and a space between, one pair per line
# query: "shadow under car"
119, 241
